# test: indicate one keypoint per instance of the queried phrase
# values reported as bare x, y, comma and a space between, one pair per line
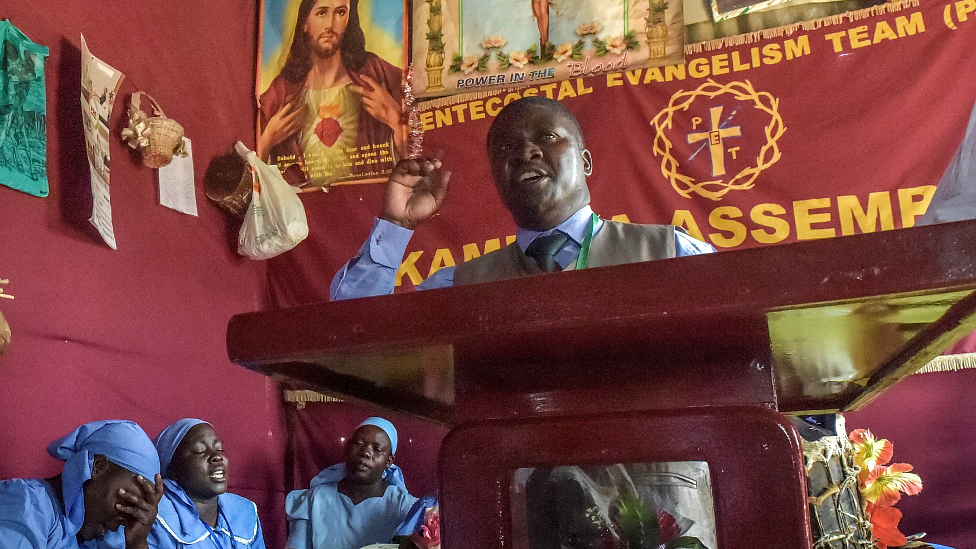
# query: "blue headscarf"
392, 475
169, 440
123, 442
387, 427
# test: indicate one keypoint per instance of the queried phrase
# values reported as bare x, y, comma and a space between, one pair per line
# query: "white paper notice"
176, 189
102, 209
99, 85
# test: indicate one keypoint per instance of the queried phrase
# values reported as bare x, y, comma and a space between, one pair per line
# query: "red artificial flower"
884, 526
669, 528
429, 536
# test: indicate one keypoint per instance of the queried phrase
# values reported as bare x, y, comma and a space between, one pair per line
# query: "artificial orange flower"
884, 484
884, 526
869, 452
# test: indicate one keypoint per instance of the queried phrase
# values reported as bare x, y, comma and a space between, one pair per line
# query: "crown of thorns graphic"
745, 179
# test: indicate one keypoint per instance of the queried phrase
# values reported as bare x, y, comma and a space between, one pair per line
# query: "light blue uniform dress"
178, 524
32, 517
323, 518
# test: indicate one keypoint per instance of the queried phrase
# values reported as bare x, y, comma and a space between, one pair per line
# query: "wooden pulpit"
688, 360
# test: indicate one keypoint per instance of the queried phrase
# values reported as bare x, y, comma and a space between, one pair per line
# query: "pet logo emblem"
723, 137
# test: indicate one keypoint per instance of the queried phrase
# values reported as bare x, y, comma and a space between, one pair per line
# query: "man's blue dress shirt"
373, 270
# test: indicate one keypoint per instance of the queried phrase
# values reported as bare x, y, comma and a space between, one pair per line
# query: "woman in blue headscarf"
103, 486
197, 511
357, 503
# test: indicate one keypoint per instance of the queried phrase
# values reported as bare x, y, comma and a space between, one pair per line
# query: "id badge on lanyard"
584, 254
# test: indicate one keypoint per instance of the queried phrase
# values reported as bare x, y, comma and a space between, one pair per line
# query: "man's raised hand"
415, 191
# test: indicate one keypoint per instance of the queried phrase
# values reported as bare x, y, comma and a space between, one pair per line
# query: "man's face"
199, 465
325, 26
101, 495
538, 167
368, 454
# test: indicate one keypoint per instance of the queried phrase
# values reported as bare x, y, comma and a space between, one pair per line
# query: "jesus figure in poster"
334, 111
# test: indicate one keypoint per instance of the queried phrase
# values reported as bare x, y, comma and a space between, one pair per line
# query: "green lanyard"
585, 249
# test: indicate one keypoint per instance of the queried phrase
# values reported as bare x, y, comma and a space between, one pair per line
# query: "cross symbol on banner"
715, 137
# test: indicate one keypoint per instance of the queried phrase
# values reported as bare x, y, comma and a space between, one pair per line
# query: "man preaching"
539, 164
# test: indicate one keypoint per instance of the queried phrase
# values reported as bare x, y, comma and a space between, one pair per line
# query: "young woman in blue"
102, 487
197, 512
357, 503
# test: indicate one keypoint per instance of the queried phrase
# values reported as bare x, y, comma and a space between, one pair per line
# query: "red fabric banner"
817, 130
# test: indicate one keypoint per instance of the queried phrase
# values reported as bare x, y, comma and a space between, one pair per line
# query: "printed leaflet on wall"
99, 85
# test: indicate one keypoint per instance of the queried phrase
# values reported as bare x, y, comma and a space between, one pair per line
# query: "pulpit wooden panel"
818, 325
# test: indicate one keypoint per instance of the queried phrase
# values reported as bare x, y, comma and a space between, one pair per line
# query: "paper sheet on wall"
99, 85
176, 188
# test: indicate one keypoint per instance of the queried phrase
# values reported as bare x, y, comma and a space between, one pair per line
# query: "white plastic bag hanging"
275, 220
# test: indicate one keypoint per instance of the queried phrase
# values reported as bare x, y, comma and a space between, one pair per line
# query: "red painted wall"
136, 333
930, 420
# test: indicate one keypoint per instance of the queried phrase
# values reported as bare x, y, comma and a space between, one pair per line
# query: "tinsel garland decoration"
415, 130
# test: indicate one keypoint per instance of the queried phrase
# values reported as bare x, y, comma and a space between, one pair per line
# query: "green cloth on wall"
23, 112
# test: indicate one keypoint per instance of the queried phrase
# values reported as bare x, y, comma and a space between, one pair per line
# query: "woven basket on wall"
228, 183
158, 138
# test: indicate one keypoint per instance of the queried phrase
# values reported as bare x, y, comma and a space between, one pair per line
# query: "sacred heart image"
717, 138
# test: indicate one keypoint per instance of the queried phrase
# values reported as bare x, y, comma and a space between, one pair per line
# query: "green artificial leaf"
639, 528
504, 61
601, 47
483, 63
577, 50
685, 542
631, 39
455, 63
548, 51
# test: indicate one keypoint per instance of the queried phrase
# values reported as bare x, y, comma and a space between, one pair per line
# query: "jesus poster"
329, 89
